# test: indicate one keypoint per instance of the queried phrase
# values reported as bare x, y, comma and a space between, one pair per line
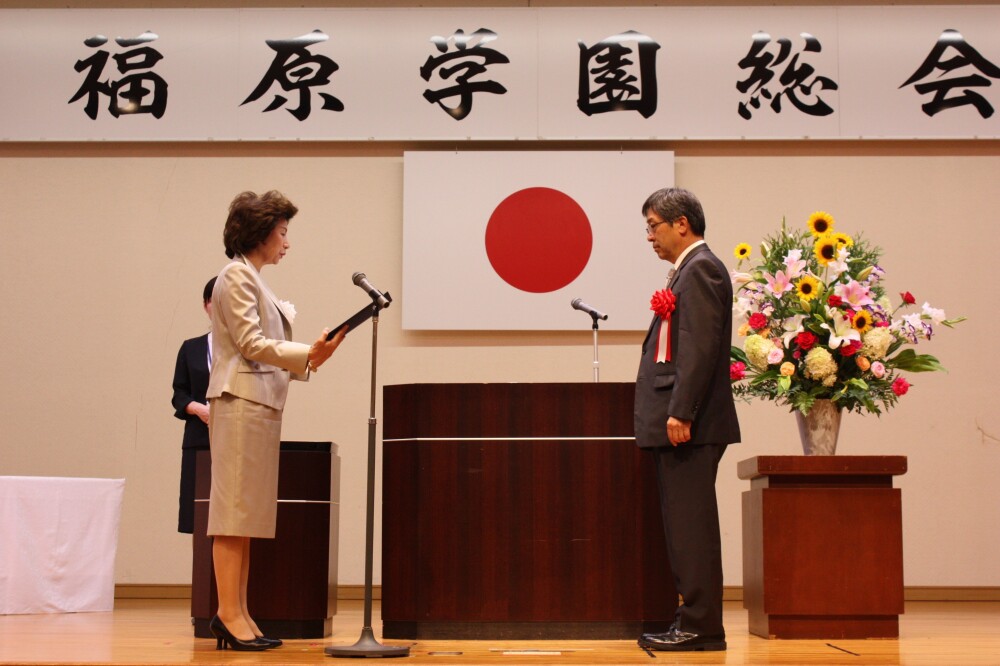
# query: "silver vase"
819, 429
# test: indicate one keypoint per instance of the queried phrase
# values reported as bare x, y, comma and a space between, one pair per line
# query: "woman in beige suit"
253, 359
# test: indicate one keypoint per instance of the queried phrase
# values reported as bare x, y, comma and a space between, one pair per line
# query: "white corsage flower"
288, 310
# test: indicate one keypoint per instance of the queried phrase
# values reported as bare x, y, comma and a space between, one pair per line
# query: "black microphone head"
357, 278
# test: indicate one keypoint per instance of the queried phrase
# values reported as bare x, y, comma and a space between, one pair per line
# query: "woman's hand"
322, 349
198, 409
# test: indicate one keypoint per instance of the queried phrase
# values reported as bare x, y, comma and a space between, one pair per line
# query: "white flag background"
506, 240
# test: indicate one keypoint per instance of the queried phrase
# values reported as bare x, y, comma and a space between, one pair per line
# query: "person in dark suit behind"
685, 414
194, 361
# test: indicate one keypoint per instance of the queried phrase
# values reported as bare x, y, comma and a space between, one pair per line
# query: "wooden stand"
519, 511
823, 546
293, 577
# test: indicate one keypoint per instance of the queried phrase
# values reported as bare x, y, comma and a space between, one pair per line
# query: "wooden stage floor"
141, 631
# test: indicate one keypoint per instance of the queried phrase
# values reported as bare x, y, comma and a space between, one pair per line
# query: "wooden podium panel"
823, 546
293, 577
519, 511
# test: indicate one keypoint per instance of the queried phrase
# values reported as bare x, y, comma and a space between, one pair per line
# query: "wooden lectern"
293, 578
823, 546
519, 511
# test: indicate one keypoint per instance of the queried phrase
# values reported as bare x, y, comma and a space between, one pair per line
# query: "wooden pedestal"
823, 546
519, 511
293, 577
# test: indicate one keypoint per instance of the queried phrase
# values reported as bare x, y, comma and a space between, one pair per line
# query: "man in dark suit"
684, 412
190, 384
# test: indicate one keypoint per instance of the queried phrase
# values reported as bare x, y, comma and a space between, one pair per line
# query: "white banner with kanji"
787, 72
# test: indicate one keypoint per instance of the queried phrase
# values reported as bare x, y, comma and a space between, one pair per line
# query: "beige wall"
105, 249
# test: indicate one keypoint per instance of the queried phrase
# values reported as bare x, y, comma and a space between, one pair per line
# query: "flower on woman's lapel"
288, 310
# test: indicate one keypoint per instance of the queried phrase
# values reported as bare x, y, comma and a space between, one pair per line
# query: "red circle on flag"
538, 240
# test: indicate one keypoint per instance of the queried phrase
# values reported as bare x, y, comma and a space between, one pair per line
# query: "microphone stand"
367, 645
597, 363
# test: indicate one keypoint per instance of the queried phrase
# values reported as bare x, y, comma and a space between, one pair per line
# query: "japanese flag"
506, 240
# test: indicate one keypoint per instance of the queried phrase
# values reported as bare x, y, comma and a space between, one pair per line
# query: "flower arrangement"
818, 323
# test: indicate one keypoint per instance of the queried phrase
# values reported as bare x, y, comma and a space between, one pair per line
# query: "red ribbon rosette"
663, 303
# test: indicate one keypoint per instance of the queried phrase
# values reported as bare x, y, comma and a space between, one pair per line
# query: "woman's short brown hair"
252, 218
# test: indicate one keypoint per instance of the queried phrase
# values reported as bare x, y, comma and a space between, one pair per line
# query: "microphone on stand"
578, 304
360, 280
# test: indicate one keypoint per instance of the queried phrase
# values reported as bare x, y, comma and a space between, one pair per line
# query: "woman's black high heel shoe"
270, 642
224, 638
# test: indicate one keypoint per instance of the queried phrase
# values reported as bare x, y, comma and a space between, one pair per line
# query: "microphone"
360, 280
578, 304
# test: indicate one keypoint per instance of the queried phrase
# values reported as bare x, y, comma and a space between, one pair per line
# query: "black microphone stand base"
367, 646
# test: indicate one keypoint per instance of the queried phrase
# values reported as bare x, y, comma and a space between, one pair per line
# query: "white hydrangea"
820, 365
757, 348
875, 343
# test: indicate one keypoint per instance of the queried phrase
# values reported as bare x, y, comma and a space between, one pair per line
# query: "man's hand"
678, 430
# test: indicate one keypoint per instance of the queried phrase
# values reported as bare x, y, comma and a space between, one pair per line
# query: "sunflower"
742, 251
825, 249
820, 223
807, 287
843, 240
862, 321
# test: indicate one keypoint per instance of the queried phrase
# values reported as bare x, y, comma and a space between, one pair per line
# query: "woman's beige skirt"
245, 440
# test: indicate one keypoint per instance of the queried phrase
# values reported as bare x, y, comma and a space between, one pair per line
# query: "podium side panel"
852, 565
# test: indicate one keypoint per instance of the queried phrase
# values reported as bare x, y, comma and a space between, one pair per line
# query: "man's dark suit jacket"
694, 384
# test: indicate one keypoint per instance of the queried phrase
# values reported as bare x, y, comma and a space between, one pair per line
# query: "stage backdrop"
494, 73
506, 240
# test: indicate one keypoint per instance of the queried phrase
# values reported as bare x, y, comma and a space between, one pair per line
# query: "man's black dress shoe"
676, 640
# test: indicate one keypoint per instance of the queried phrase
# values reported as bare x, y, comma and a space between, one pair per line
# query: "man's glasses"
650, 228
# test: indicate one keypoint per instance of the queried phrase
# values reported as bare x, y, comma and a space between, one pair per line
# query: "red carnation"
834, 301
851, 348
907, 297
900, 386
757, 321
737, 371
805, 340
663, 303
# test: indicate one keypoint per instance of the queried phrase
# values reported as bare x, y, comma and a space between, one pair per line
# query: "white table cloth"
58, 538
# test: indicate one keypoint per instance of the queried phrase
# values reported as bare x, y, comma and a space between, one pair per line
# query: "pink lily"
855, 294
778, 283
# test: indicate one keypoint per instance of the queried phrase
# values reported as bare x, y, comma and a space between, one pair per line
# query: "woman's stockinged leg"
244, 581
231, 574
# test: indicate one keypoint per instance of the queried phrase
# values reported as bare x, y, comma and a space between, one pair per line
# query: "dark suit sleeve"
701, 313
183, 391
